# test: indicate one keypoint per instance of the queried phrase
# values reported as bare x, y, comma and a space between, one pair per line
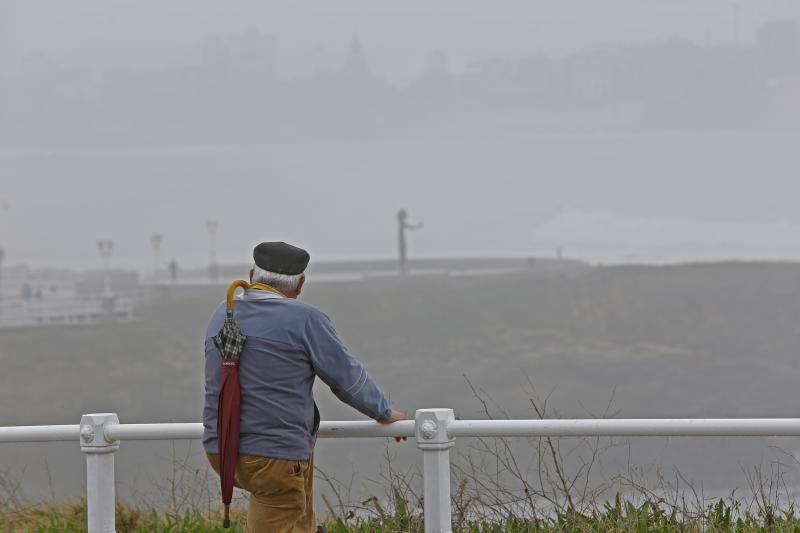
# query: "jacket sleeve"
343, 373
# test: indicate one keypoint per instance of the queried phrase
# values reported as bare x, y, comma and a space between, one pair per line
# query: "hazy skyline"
398, 36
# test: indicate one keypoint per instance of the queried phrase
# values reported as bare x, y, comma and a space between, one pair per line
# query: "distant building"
777, 44
433, 88
353, 74
249, 54
436, 70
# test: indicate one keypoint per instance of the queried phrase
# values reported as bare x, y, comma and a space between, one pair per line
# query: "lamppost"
213, 269
2, 256
105, 247
737, 17
3, 207
156, 239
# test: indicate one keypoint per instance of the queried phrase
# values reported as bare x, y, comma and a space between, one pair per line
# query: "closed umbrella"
229, 341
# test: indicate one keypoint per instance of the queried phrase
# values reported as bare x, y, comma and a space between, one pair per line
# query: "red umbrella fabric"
229, 341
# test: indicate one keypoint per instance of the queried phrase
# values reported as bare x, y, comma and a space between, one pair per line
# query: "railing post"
435, 443
100, 482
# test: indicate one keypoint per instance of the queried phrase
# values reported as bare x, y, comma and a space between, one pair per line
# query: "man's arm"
343, 373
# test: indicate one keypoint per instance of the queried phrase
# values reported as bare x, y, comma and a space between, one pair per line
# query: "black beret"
281, 258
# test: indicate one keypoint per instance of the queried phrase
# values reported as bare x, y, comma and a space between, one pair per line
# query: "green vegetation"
72, 518
616, 516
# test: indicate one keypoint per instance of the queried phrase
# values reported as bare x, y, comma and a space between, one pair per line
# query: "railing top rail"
68, 432
193, 430
630, 427
678, 427
338, 429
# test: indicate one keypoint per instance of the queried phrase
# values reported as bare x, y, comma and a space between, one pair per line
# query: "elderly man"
288, 344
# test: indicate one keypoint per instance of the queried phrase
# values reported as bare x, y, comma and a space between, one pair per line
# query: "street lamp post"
2, 257
105, 247
213, 269
3, 207
156, 239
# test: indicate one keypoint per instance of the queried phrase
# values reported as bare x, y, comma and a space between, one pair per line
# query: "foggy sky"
490, 197
518, 195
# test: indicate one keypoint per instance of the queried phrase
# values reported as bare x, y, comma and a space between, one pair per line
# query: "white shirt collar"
252, 295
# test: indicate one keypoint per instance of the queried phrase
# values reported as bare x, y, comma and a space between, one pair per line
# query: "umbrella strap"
264, 287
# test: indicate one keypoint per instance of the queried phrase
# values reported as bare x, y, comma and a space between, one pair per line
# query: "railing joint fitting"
432, 429
94, 438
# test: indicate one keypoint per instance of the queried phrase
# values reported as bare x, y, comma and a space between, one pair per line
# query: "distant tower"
777, 44
107, 301
437, 65
355, 64
2, 257
173, 271
3, 207
156, 240
434, 79
213, 268
105, 247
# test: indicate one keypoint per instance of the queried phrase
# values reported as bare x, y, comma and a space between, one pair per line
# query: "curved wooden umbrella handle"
232, 289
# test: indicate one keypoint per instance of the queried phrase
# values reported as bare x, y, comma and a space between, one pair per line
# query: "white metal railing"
434, 429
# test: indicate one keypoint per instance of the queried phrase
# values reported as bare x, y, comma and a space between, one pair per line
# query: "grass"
618, 515
72, 518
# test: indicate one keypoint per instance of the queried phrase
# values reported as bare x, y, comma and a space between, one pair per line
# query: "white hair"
282, 282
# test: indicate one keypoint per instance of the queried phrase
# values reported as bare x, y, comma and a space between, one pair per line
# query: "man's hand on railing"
396, 416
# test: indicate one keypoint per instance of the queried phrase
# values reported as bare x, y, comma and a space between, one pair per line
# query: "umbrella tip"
226, 524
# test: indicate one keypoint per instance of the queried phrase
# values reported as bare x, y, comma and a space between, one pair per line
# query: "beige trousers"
281, 499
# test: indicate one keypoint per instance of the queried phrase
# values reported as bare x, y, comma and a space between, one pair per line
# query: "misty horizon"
313, 34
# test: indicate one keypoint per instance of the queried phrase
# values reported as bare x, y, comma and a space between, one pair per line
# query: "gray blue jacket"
288, 344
